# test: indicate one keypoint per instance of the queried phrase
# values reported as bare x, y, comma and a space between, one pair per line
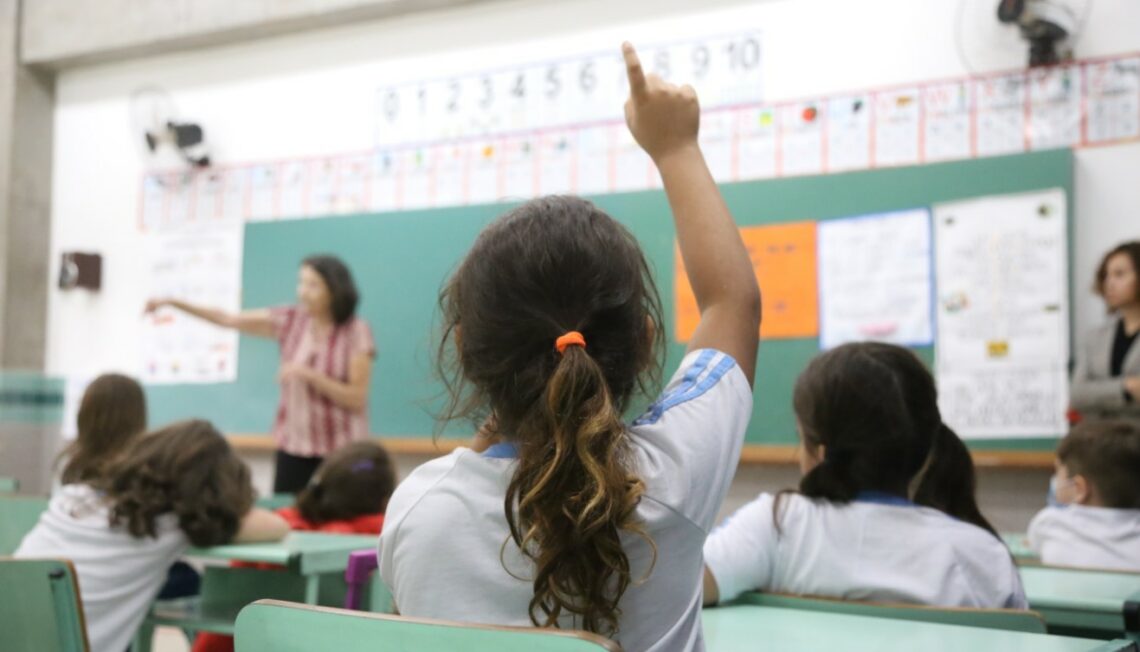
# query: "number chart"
560, 93
557, 127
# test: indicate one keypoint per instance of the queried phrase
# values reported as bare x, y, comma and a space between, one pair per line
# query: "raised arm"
251, 322
665, 119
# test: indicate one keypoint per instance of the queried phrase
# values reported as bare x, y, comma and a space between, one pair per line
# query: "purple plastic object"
361, 565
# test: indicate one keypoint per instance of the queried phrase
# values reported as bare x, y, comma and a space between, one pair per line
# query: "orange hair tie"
573, 338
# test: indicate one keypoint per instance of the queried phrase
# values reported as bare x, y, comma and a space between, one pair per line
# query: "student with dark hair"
572, 517
347, 495
180, 486
1096, 523
112, 414
885, 510
1106, 381
326, 365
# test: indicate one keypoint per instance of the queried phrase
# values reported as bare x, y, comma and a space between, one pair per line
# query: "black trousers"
292, 472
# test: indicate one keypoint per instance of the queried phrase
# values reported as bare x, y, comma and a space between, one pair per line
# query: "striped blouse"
308, 423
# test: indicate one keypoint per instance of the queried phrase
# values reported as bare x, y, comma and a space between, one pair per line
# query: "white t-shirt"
119, 575
877, 551
446, 541
1092, 537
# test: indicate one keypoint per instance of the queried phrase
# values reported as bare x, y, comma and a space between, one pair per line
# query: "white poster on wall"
202, 266
1003, 314
875, 279
1113, 111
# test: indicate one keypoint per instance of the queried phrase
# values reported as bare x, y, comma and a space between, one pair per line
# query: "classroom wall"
310, 94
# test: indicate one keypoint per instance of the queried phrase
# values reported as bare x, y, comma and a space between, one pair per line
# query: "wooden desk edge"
751, 454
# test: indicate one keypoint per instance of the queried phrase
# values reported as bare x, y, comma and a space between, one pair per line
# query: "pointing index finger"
637, 84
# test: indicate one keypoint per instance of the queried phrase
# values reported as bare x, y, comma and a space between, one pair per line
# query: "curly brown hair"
187, 469
550, 266
111, 415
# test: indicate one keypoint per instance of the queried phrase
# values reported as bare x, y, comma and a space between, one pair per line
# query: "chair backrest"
1015, 620
47, 615
289, 627
18, 515
9, 485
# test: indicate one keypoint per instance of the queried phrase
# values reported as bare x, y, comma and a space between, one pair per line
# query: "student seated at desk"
1097, 483
112, 414
178, 487
576, 519
347, 494
885, 510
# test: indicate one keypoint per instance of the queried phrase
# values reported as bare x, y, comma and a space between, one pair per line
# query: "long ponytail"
575, 493
948, 482
553, 265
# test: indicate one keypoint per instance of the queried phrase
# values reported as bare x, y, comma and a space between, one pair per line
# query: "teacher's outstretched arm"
251, 322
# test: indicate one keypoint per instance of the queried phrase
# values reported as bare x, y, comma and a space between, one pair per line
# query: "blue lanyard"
502, 450
882, 498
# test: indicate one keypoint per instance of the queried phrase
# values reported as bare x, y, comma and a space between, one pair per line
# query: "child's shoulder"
460, 467
705, 377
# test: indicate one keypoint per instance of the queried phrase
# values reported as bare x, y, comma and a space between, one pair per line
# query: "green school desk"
314, 568
1018, 545
747, 628
309, 554
1101, 602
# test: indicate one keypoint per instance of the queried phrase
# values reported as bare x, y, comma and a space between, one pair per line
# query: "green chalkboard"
401, 259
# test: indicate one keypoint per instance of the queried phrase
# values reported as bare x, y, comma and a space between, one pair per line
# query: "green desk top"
746, 628
306, 552
1075, 589
1018, 545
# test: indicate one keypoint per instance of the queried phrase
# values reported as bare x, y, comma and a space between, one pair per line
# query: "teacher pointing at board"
1106, 382
326, 365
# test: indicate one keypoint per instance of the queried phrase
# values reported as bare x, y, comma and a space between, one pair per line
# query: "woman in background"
326, 365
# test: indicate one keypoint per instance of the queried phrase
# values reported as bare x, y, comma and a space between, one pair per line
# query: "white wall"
312, 94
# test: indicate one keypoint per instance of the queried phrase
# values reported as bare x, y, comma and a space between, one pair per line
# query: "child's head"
111, 415
187, 469
869, 420
355, 480
548, 267
1098, 464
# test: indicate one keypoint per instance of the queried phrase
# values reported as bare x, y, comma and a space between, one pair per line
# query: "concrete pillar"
26, 103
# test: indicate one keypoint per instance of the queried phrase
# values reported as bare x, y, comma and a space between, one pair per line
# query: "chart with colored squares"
514, 133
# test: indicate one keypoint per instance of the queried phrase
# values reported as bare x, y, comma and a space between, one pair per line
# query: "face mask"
1051, 498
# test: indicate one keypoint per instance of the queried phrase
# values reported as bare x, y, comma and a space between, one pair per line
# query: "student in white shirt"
575, 519
111, 415
1097, 483
181, 485
885, 510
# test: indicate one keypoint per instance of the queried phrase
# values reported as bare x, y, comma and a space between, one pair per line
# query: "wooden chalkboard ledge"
751, 454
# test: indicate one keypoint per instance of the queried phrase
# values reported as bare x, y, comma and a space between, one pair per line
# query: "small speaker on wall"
80, 270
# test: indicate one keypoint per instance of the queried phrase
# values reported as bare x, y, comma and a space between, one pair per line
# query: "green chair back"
1014, 620
46, 615
289, 627
18, 515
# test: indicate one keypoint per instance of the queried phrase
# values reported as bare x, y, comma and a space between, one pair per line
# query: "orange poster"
783, 256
